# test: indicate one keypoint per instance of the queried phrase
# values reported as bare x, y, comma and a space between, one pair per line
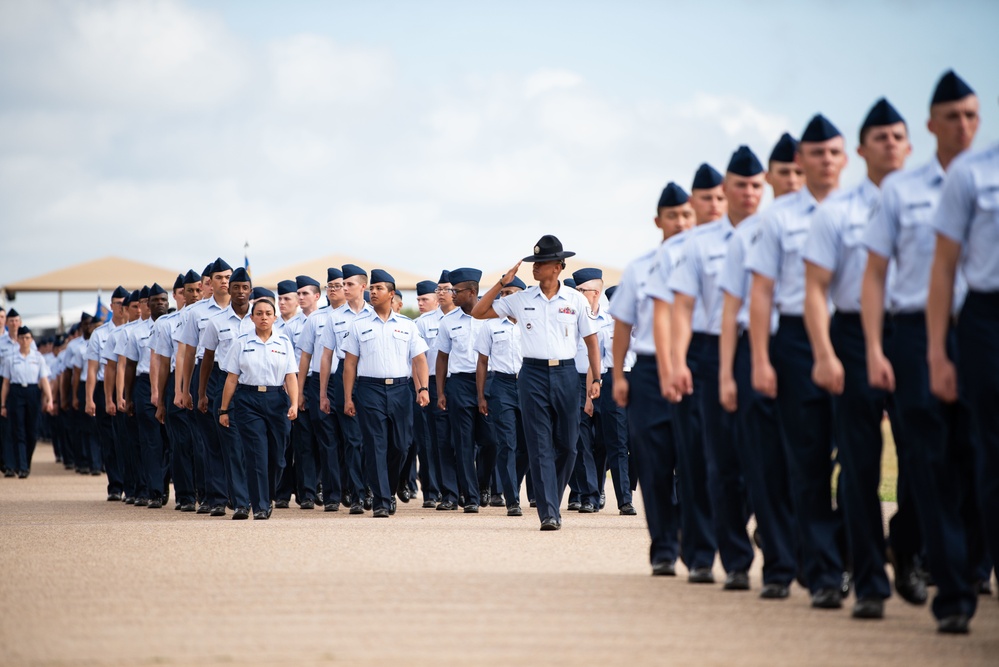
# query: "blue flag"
102, 312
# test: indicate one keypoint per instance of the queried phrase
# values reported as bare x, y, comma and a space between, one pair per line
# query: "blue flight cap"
820, 129
179, 282
144, 292
134, 297
380, 276
119, 292
306, 281
73, 329
569, 282
333, 273
785, 149
744, 163
609, 292
207, 273
586, 275
881, 114
23, 331
192, 278
425, 287
261, 293
950, 88
706, 177
287, 287
156, 289
127, 300
238, 276
464, 275
673, 195
516, 282
351, 270
85, 317
219, 265
13, 313
367, 296
445, 277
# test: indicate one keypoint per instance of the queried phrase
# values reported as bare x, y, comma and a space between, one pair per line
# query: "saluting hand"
511, 274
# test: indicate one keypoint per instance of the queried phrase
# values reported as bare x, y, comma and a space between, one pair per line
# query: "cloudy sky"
430, 134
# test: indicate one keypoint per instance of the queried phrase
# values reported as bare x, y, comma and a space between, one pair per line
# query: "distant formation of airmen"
742, 368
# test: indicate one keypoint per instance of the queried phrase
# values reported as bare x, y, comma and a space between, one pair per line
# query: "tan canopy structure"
612, 274
100, 274
316, 268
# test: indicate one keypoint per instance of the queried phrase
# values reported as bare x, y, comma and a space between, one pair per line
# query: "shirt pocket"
915, 234
988, 204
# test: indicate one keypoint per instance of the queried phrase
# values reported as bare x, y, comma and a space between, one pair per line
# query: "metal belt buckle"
262, 389
389, 381
553, 362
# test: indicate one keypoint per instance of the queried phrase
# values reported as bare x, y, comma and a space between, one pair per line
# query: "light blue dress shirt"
456, 338
259, 363
499, 340
27, 370
383, 349
550, 328
428, 324
699, 270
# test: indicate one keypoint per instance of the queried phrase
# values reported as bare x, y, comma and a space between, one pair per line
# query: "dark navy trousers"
352, 474
939, 461
179, 429
583, 482
857, 416
549, 404
216, 487
152, 452
305, 440
653, 449
264, 427
978, 337
759, 438
805, 414
109, 442
385, 413
725, 464
468, 427
231, 450
614, 434
23, 407
440, 437
504, 412
699, 544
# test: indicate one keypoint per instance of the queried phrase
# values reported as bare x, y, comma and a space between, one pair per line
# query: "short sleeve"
764, 256
329, 337
210, 336
506, 306
881, 233
291, 367
349, 344
231, 362
685, 277
733, 275
823, 244
131, 349
417, 345
658, 285
483, 340
956, 209
624, 305
444, 338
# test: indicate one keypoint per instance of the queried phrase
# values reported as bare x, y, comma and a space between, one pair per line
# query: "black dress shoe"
392, 506
9, 473
549, 524
187, 507
176, 507
281, 504
345, 500
471, 508
204, 508
332, 507
574, 506
736, 581
429, 504
114, 497
93, 473
219, 510
240, 514
587, 508
24, 474
532, 503
910, 586
357, 508
496, 500
129, 500
404, 495
380, 513
953, 625
827, 598
846, 585
262, 515
514, 511
664, 568
368, 501
446, 506
628, 510
155, 504
603, 500
775, 592
310, 505
869, 608
141, 502
701, 575
983, 587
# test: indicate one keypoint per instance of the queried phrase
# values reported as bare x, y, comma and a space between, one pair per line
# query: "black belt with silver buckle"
259, 388
529, 361
382, 381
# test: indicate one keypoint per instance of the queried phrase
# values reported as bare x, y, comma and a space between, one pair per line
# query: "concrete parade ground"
88, 582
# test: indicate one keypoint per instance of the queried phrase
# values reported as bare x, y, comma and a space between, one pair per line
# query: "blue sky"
425, 135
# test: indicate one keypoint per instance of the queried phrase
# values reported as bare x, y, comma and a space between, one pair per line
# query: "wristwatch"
422, 389
223, 412
598, 381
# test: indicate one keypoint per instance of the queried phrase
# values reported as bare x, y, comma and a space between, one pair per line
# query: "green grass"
889, 465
